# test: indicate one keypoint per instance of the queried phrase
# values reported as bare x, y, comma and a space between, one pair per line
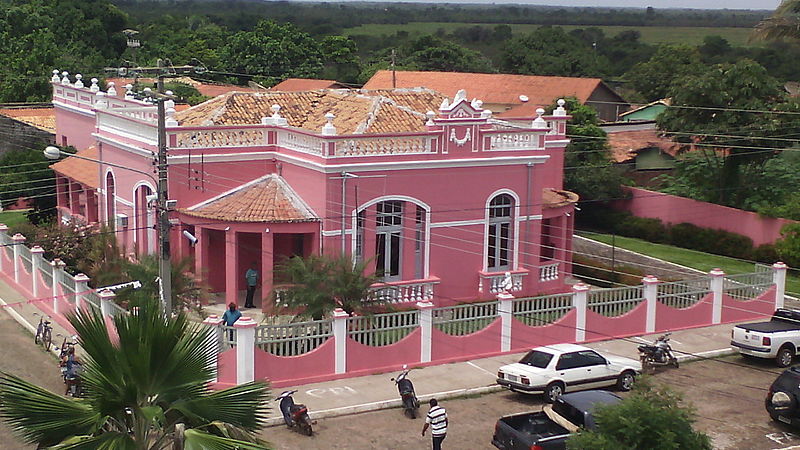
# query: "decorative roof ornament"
101, 100
78, 81
65, 77
128, 91
328, 129
276, 117
170, 120
476, 104
430, 115
460, 95
111, 91
169, 103
444, 106
94, 87
560, 111
486, 113
55, 78
539, 122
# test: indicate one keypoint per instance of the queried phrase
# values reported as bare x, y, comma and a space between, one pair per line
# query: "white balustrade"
548, 272
404, 292
495, 281
383, 146
515, 141
300, 142
208, 138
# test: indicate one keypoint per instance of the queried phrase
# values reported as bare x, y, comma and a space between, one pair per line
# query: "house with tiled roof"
444, 201
510, 96
26, 126
306, 84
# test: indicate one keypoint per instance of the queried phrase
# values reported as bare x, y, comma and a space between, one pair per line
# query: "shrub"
596, 272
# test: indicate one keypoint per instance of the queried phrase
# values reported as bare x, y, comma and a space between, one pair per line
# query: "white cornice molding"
75, 109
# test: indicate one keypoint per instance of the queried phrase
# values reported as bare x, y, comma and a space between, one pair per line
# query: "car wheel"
552, 391
785, 356
625, 381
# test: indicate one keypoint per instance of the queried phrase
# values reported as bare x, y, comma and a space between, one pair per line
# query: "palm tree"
186, 289
146, 389
319, 284
784, 23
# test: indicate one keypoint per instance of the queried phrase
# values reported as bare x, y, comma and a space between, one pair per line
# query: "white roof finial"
128, 91
170, 120
276, 117
111, 91
55, 78
328, 129
169, 103
539, 121
78, 82
460, 95
94, 87
430, 115
560, 111
65, 77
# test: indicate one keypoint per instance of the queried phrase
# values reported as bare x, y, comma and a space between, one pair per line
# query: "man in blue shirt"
231, 316
252, 280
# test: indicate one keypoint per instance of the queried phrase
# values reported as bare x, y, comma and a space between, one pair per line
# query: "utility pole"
394, 72
164, 266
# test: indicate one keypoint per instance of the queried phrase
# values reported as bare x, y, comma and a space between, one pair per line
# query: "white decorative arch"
110, 215
405, 198
514, 223
140, 221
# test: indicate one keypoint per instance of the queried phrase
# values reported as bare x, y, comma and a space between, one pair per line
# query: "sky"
663, 4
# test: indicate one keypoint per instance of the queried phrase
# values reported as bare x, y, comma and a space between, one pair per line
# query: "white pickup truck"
778, 338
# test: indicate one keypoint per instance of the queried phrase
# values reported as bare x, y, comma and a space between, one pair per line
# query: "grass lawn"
689, 258
14, 217
651, 35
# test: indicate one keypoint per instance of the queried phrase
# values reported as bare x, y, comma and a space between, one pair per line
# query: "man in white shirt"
437, 421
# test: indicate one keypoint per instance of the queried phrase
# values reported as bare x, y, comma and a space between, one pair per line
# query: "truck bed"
773, 326
537, 425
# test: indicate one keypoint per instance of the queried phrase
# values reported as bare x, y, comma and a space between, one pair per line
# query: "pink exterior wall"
73, 126
599, 327
226, 367
483, 342
365, 357
525, 337
699, 314
674, 210
317, 362
734, 310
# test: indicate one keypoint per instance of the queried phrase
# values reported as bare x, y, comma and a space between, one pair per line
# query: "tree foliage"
655, 77
23, 174
651, 418
147, 388
549, 51
783, 24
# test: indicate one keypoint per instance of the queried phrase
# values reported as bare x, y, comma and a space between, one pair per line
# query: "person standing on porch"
252, 280
230, 317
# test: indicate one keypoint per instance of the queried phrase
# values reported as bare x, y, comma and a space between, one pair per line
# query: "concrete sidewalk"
373, 392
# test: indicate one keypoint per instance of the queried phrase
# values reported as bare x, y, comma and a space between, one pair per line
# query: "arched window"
110, 193
388, 230
498, 251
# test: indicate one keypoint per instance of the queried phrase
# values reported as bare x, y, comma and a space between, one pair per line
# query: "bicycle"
44, 334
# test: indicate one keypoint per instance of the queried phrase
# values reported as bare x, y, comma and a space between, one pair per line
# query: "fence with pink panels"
343, 346
671, 209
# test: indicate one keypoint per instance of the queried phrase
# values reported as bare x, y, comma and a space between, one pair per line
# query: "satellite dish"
523, 98
122, 71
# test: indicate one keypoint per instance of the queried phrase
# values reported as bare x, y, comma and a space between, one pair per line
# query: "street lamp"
164, 267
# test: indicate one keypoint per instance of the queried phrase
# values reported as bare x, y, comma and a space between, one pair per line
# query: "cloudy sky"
699, 4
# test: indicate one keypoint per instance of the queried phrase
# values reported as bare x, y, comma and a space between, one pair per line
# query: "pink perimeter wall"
363, 357
669, 318
318, 362
485, 341
226, 367
674, 210
599, 327
524, 336
762, 306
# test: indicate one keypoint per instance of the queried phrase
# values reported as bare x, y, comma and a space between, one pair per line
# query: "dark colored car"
783, 398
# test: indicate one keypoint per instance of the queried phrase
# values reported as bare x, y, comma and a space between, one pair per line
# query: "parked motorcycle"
71, 368
294, 414
659, 353
406, 389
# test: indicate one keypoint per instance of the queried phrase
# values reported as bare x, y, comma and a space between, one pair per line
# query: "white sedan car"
555, 369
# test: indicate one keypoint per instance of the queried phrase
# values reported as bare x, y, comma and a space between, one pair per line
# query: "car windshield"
536, 358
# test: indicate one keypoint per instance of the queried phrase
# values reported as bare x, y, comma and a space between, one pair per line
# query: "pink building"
443, 198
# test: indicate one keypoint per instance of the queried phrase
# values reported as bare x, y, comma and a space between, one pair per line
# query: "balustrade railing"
25, 256
206, 138
615, 302
683, 294
404, 292
91, 301
382, 329
539, 311
67, 284
519, 140
747, 285
365, 146
495, 282
464, 319
300, 142
45, 269
293, 339
548, 272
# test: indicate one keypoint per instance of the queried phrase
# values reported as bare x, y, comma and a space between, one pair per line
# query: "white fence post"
18, 240
426, 327
58, 271
779, 278
215, 335
245, 350
81, 286
35, 262
717, 283
580, 293
650, 297
340, 338
106, 297
504, 310
3, 230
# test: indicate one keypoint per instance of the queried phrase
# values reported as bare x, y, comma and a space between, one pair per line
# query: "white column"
340, 338
106, 297
81, 286
426, 326
779, 278
579, 300
18, 240
650, 297
4, 230
214, 322
245, 350
717, 279
505, 310
35, 262
58, 271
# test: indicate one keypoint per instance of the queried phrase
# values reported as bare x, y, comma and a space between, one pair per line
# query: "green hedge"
685, 235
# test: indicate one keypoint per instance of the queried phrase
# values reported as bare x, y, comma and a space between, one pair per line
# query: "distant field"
651, 35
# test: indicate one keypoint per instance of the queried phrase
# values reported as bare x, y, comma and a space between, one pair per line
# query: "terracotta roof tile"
625, 145
491, 88
267, 199
80, 170
41, 118
355, 111
305, 84
553, 198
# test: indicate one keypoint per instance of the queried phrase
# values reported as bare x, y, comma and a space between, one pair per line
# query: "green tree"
654, 78
784, 23
319, 284
146, 389
788, 246
550, 51
651, 418
187, 291
23, 174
